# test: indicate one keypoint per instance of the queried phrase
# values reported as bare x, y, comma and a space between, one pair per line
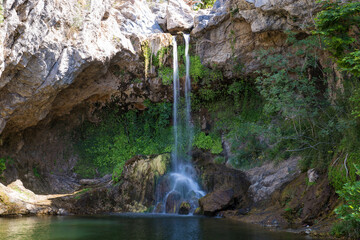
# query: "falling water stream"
183, 186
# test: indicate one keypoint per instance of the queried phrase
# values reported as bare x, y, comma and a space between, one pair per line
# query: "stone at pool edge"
184, 208
216, 201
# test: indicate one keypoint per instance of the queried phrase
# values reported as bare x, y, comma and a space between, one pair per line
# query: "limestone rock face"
267, 179
233, 30
174, 16
179, 16
56, 54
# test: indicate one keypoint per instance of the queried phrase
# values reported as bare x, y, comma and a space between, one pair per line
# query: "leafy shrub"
197, 70
334, 23
346, 228
349, 212
339, 174
208, 142
121, 135
166, 75
220, 160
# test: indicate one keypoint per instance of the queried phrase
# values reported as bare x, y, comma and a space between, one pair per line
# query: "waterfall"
189, 127
180, 184
176, 94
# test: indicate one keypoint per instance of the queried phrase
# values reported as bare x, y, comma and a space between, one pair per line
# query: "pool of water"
134, 226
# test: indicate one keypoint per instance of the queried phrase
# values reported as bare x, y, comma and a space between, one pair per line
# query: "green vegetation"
166, 75
120, 135
81, 192
2, 165
1, 12
349, 212
338, 25
165, 72
147, 55
208, 142
36, 172
204, 4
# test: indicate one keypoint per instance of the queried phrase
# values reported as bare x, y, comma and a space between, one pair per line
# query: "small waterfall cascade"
180, 185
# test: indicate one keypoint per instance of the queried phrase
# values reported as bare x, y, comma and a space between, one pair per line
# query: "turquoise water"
134, 226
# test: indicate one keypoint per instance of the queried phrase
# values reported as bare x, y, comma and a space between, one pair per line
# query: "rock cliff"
56, 55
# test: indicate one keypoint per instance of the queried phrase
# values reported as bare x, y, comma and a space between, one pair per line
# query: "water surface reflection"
135, 227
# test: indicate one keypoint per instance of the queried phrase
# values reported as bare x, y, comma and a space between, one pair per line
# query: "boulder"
179, 17
312, 175
173, 202
227, 187
268, 178
15, 199
217, 201
184, 208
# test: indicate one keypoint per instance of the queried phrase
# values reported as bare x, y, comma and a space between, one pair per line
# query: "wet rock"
173, 202
197, 211
217, 201
140, 175
226, 187
243, 211
159, 208
184, 208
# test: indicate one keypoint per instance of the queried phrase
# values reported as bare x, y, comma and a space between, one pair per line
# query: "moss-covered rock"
135, 191
184, 208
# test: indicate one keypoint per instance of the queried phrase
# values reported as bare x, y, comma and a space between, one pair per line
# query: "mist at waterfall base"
180, 185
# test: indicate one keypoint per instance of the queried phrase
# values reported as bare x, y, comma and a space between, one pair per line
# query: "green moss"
147, 56
185, 205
